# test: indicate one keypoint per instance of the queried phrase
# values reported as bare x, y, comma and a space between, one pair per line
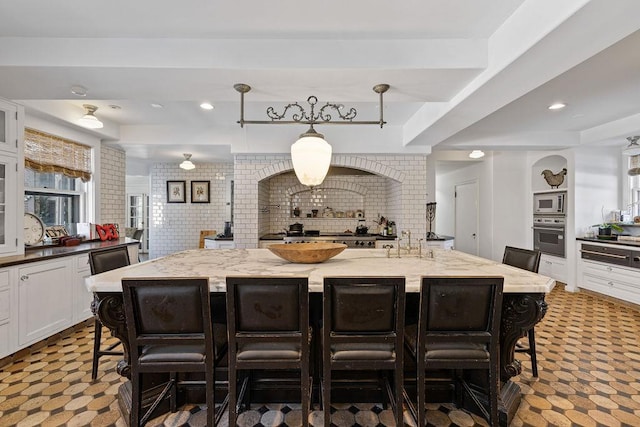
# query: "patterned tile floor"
588, 357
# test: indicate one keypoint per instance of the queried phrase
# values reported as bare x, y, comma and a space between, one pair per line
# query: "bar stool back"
170, 331
268, 324
99, 262
458, 329
363, 329
527, 260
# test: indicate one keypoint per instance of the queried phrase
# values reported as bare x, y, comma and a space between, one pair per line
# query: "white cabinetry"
219, 244
11, 177
442, 244
554, 267
81, 296
5, 313
622, 282
45, 300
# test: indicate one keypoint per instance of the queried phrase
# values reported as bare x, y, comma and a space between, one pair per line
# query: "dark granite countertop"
630, 243
214, 237
440, 237
280, 236
42, 253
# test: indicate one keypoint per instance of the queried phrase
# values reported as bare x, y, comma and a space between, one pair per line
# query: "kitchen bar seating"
99, 262
363, 330
170, 331
458, 329
527, 260
268, 328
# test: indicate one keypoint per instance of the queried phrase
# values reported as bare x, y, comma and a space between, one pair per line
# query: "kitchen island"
523, 304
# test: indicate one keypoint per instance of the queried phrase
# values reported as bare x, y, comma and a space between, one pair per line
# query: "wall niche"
553, 163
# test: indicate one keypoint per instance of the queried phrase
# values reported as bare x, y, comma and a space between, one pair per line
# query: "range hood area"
267, 191
346, 198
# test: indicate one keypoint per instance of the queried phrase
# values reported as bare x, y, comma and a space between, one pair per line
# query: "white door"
466, 237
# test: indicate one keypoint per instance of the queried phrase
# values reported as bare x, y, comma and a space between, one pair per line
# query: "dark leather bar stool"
101, 261
268, 325
458, 329
171, 331
363, 329
527, 260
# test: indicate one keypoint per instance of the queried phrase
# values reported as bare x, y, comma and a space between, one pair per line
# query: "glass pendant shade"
311, 157
187, 164
89, 120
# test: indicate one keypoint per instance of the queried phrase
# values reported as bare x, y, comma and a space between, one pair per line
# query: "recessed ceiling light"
206, 106
79, 90
154, 105
557, 106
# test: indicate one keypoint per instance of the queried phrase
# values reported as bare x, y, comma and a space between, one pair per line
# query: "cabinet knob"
24, 277
610, 283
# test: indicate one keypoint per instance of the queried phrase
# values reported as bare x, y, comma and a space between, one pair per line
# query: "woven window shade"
48, 153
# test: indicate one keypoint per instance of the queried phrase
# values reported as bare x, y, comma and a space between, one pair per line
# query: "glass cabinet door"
8, 211
8, 136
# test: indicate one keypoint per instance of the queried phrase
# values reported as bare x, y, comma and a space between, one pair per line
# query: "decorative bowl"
307, 253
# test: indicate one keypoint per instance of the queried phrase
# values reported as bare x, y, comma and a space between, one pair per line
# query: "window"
55, 180
55, 198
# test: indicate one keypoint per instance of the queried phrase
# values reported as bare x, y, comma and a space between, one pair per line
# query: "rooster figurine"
554, 179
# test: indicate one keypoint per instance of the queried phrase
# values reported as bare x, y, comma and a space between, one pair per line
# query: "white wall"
176, 226
503, 190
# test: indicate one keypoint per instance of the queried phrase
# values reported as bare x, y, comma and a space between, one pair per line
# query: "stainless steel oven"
548, 235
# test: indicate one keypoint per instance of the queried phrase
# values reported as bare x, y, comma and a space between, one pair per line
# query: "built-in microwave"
552, 203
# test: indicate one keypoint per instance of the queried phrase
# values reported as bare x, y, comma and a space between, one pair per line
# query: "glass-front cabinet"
8, 128
8, 211
11, 189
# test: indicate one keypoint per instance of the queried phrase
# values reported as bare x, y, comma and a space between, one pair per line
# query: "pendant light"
89, 120
311, 157
187, 164
311, 154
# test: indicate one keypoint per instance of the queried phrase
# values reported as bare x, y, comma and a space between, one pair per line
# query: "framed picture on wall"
200, 191
176, 191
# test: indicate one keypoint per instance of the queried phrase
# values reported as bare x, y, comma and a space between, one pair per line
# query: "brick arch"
339, 185
347, 161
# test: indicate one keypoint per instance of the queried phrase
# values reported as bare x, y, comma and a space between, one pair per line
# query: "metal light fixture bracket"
300, 116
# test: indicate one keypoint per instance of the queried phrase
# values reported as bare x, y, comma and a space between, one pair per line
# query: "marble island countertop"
216, 265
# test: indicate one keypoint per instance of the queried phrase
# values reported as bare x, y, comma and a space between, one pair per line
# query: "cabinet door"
8, 203
5, 314
8, 127
82, 297
45, 300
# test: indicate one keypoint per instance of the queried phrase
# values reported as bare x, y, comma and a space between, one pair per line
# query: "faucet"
408, 248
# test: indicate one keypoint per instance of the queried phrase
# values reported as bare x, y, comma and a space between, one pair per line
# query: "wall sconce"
311, 154
187, 164
89, 120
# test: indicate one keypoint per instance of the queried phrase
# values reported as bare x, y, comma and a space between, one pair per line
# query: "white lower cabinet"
553, 267
81, 296
219, 244
619, 282
5, 314
45, 300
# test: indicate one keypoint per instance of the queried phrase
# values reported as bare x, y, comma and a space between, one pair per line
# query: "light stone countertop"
219, 263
